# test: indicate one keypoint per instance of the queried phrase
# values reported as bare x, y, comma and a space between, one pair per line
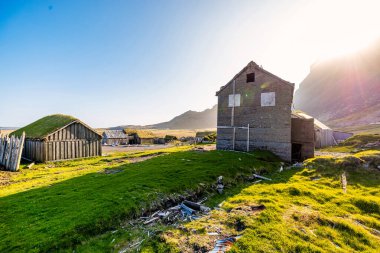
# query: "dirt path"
126, 148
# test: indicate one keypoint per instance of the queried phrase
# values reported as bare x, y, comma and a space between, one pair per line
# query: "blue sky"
141, 62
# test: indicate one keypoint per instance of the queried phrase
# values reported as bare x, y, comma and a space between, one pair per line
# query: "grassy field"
179, 133
46, 174
306, 210
356, 143
57, 206
84, 205
173, 132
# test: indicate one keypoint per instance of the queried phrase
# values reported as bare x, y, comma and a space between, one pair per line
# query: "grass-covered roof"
141, 133
45, 126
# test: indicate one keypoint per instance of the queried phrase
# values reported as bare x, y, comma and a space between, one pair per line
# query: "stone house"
254, 112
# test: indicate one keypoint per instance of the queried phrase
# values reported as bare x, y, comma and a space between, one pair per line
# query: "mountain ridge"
188, 120
343, 91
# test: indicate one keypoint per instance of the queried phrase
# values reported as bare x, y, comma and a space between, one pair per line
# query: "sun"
335, 28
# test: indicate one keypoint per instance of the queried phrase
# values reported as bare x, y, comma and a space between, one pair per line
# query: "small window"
250, 77
234, 100
268, 99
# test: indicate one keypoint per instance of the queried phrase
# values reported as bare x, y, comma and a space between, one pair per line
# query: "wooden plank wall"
70, 149
74, 141
10, 151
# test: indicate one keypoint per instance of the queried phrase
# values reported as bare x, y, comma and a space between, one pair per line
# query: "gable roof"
45, 126
117, 134
253, 64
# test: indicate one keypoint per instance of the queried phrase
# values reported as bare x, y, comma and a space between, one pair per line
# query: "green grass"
355, 143
46, 174
44, 126
65, 209
306, 211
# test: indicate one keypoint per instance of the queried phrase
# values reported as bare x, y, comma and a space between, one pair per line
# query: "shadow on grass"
64, 214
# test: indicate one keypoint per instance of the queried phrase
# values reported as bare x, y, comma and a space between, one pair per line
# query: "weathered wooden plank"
49, 150
61, 151
10, 151
80, 150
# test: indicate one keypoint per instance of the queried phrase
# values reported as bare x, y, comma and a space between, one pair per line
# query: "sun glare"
339, 27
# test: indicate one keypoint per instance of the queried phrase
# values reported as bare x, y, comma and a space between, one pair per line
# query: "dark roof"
46, 126
253, 64
115, 134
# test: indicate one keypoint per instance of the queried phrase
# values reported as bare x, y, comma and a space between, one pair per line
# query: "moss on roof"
45, 126
204, 133
140, 133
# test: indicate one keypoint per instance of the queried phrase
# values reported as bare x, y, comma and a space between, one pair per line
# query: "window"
250, 77
268, 99
234, 100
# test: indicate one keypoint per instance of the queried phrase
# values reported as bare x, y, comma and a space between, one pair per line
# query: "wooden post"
233, 139
233, 106
248, 138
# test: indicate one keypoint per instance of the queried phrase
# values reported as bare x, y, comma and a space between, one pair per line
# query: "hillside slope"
343, 91
191, 120
188, 120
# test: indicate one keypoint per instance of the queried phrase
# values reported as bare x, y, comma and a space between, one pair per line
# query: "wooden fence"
10, 152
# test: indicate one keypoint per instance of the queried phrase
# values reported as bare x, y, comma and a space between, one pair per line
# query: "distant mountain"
191, 120
344, 91
8, 128
187, 120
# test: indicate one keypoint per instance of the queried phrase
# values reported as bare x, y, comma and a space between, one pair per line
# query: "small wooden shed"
115, 137
59, 137
142, 136
323, 135
302, 137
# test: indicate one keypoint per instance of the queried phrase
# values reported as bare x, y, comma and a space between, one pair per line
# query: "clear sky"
141, 62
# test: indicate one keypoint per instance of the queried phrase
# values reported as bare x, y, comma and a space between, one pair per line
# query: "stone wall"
270, 126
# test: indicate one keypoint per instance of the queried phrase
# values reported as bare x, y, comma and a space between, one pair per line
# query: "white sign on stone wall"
268, 99
234, 100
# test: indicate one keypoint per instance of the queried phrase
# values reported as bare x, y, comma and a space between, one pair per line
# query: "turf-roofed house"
59, 137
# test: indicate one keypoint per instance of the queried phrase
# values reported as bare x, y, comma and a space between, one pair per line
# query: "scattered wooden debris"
132, 246
196, 206
261, 177
186, 211
225, 244
30, 165
220, 185
151, 220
